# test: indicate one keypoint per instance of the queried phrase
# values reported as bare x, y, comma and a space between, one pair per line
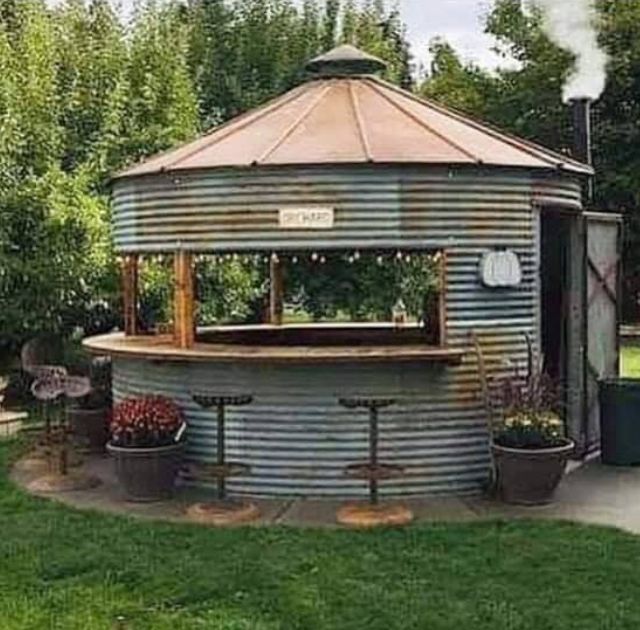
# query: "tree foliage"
363, 289
83, 94
526, 98
79, 99
247, 51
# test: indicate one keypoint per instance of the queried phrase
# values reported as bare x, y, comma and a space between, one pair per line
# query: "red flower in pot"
147, 447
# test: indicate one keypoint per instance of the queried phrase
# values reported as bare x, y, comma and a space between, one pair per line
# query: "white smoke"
571, 25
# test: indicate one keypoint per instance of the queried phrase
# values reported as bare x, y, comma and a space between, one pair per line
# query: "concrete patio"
590, 493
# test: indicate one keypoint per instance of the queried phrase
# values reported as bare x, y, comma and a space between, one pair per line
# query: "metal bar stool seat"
222, 511
373, 513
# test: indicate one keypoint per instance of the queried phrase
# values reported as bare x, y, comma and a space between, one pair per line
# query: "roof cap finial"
345, 60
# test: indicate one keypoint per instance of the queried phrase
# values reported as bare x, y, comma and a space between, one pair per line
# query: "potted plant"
146, 445
530, 450
88, 417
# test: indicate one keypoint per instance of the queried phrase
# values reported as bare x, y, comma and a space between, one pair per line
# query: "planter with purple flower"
530, 450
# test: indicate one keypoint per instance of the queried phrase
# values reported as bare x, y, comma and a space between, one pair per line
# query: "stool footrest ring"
378, 471
217, 471
222, 513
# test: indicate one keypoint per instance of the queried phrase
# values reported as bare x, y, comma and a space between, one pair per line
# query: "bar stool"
222, 511
373, 513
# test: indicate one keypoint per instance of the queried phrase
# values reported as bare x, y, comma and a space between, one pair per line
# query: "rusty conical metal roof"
348, 116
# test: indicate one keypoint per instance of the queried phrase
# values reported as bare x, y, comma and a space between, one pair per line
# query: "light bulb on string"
314, 256
356, 255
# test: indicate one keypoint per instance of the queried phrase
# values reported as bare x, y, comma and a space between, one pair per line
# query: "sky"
458, 21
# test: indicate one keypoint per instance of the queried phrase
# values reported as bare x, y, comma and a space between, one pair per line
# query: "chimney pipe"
581, 113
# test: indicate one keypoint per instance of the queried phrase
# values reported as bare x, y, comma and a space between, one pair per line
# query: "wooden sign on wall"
318, 218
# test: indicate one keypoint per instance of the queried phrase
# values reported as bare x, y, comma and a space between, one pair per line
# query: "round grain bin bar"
389, 171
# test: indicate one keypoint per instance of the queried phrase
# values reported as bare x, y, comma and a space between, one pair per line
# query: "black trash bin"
620, 421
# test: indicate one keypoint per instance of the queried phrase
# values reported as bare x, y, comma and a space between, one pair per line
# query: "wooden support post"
130, 294
442, 297
183, 303
276, 300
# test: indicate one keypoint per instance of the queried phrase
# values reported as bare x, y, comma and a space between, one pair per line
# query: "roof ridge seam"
543, 153
423, 124
360, 122
295, 124
232, 125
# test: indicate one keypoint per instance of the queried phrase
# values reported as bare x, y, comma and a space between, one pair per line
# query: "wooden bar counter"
163, 348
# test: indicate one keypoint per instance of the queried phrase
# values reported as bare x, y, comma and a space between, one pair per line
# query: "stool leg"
373, 454
221, 454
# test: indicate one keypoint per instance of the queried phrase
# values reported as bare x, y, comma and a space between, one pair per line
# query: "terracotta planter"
147, 474
529, 476
90, 425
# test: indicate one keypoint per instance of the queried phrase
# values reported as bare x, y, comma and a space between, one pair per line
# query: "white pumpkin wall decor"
500, 269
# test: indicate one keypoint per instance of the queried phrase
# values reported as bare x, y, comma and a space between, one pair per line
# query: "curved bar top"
162, 348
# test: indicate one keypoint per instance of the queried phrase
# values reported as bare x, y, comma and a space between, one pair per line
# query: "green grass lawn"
630, 361
69, 570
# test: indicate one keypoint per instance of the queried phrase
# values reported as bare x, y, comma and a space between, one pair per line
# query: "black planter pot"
90, 426
147, 474
529, 476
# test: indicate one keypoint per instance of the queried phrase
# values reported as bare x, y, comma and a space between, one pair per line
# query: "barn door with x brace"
603, 250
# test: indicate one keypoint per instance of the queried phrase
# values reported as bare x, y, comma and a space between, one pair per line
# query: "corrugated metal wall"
227, 210
295, 435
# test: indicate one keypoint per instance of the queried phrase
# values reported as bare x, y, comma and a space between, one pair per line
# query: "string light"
381, 258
